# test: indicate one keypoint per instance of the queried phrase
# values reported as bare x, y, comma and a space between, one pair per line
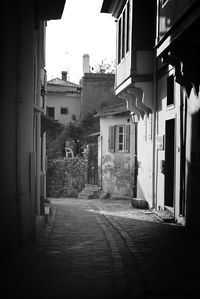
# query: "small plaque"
160, 142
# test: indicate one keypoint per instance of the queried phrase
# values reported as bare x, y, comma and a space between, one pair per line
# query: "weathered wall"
116, 168
116, 175
96, 89
66, 177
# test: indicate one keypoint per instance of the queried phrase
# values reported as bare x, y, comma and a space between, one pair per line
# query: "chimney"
86, 64
64, 75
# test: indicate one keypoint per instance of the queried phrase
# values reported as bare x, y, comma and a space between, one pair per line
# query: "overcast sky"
82, 30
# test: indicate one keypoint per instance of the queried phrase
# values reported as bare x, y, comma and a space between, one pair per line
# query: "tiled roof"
116, 109
61, 86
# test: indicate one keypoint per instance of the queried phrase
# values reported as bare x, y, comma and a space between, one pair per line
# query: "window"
119, 138
119, 41
51, 112
63, 110
170, 90
127, 27
123, 32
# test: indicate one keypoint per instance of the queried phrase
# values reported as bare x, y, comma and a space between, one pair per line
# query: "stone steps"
89, 192
165, 215
92, 187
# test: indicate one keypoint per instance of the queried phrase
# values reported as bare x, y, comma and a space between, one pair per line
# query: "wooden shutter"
127, 138
111, 139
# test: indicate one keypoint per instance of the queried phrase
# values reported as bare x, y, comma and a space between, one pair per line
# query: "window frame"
61, 113
123, 33
52, 109
119, 141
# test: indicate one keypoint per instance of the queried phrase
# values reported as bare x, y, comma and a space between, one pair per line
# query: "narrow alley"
105, 249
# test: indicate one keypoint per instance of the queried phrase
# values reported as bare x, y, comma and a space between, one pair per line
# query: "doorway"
169, 162
93, 164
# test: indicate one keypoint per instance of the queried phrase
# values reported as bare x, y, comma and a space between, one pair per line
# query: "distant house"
63, 99
116, 151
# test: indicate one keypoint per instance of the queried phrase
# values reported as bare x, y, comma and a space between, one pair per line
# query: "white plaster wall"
165, 113
71, 102
145, 163
123, 69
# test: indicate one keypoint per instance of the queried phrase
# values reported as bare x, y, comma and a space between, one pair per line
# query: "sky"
82, 30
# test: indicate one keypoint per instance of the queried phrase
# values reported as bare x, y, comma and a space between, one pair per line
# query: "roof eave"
49, 9
113, 7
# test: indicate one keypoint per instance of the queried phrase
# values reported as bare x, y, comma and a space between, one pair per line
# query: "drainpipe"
154, 199
37, 112
135, 163
154, 162
18, 102
183, 125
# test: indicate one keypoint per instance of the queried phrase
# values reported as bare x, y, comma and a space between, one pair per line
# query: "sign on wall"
160, 142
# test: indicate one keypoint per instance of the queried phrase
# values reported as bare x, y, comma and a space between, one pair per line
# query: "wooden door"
169, 162
93, 164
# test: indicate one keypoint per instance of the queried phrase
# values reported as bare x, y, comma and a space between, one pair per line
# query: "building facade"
134, 78
23, 80
158, 76
63, 99
178, 79
116, 151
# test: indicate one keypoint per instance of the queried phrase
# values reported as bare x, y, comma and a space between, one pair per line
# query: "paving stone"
105, 249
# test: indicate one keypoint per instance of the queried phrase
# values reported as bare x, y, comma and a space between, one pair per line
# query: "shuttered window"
111, 139
119, 138
127, 138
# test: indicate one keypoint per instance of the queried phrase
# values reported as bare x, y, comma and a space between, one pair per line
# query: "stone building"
97, 89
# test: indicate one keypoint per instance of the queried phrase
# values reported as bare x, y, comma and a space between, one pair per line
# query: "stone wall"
66, 177
97, 89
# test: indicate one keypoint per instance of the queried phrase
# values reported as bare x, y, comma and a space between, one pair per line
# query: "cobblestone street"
105, 249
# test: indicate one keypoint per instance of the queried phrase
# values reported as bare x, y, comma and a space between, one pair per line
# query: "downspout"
154, 199
135, 162
18, 102
37, 112
154, 162
183, 126
101, 162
